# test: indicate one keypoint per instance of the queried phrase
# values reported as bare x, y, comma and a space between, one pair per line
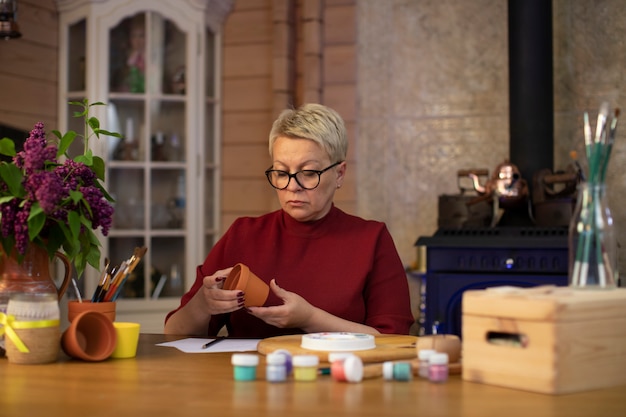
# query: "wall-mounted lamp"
8, 17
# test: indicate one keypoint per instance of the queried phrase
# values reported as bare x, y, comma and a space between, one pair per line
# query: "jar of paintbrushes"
592, 240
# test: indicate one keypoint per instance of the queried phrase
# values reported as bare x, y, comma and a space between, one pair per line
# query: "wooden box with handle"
546, 339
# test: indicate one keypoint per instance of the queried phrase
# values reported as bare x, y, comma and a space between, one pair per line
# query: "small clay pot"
74, 308
254, 288
90, 337
444, 343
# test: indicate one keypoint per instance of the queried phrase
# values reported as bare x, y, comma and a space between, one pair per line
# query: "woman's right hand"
217, 300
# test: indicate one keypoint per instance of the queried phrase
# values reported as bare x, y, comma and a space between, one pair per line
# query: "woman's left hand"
295, 311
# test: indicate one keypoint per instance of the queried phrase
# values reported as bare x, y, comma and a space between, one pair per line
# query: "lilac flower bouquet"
52, 200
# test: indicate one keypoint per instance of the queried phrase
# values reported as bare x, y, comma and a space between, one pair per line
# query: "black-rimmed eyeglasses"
307, 178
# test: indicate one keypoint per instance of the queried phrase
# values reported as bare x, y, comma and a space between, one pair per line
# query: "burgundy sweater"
342, 264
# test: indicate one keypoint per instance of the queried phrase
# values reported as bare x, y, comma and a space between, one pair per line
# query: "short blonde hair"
316, 122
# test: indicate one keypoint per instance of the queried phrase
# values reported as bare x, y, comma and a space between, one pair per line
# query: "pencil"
212, 342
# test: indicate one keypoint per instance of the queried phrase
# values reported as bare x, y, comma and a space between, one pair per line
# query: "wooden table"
162, 381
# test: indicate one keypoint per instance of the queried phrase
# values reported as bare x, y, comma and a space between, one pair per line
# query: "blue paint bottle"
244, 366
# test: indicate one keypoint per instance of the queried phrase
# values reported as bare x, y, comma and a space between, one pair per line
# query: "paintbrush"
101, 281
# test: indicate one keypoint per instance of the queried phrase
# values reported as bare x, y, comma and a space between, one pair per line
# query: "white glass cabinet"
155, 64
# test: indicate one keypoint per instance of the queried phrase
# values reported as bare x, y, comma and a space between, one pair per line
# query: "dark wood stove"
454, 260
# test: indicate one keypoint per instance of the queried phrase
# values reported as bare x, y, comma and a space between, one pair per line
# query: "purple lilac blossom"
36, 151
20, 228
49, 184
46, 188
9, 212
101, 210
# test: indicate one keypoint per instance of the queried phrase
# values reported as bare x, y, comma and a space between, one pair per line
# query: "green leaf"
80, 264
57, 134
82, 104
85, 159
105, 193
70, 248
98, 167
93, 253
13, 177
8, 244
86, 222
36, 221
93, 257
66, 142
107, 133
75, 196
7, 147
73, 219
93, 239
54, 239
93, 123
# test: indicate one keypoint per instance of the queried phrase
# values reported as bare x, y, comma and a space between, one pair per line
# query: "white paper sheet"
194, 345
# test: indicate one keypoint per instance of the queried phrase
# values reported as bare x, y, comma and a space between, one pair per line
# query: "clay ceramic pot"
444, 343
254, 288
90, 337
74, 308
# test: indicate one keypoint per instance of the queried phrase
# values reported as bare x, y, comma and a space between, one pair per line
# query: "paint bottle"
438, 367
346, 368
245, 365
334, 358
288, 359
397, 371
305, 367
423, 357
276, 369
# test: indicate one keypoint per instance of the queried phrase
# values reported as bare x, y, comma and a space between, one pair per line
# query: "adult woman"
335, 272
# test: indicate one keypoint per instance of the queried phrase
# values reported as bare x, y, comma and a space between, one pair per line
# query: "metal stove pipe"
531, 109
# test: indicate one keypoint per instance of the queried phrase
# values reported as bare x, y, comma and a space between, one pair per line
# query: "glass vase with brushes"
592, 239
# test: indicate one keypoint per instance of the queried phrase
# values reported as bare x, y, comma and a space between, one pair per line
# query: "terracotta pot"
74, 308
91, 337
254, 288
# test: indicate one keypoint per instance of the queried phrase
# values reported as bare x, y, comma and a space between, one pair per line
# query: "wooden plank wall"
277, 54
29, 70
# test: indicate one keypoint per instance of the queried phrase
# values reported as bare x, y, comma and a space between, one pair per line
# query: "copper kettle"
505, 184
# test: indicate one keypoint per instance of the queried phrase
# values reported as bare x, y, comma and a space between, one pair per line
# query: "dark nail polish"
240, 302
240, 294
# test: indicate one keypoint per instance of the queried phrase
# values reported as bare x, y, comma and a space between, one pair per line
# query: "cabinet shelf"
172, 165
174, 98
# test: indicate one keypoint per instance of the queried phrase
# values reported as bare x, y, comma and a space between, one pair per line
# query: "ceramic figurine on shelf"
129, 74
136, 59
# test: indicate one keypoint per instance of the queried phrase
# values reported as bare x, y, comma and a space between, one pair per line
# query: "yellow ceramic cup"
127, 339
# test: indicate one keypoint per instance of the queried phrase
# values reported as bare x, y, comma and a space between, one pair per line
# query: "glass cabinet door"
137, 57
147, 167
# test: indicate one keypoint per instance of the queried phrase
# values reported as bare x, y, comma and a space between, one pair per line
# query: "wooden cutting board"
388, 348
